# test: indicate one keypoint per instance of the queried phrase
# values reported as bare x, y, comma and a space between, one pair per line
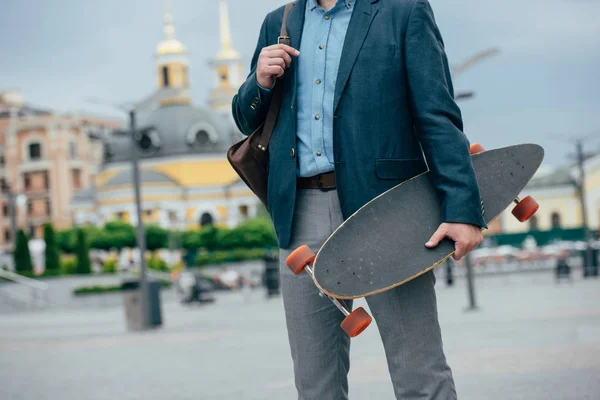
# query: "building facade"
560, 207
186, 180
45, 158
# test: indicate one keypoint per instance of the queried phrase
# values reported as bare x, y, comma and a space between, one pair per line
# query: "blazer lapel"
359, 25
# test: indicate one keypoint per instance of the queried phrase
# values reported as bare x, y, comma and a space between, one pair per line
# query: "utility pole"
587, 259
141, 232
147, 322
470, 284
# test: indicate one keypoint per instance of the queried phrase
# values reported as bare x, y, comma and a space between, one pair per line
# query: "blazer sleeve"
251, 103
438, 120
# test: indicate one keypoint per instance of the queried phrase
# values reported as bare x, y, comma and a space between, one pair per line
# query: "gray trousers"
406, 317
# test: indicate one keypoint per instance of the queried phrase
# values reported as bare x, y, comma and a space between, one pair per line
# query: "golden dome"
170, 45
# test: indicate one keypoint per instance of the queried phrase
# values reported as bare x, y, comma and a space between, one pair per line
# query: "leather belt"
323, 182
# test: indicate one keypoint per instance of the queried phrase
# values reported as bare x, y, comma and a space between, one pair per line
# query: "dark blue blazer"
394, 113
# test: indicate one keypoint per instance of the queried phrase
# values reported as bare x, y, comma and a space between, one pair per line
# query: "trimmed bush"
67, 241
156, 238
109, 267
21, 256
100, 289
84, 265
52, 256
68, 266
221, 257
158, 264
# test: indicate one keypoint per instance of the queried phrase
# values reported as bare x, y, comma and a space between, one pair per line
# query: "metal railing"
38, 291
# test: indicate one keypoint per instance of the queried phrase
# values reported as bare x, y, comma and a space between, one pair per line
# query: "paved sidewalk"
531, 339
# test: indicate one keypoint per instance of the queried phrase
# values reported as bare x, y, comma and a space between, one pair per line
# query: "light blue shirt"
320, 52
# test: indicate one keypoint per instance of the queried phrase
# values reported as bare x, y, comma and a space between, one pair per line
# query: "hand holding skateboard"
380, 246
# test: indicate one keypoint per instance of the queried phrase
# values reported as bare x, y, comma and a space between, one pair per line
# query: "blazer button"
293, 152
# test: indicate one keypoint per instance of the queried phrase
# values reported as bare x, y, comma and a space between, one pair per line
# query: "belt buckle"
320, 184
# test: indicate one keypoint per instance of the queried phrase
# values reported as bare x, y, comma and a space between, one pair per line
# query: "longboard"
382, 245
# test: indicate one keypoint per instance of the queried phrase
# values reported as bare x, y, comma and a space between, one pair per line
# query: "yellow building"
186, 178
560, 207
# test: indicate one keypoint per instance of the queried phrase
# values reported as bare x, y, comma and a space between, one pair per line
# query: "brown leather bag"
250, 157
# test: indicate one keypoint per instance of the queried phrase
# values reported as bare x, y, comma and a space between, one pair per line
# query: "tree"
121, 234
21, 256
156, 238
83, 253
52, 254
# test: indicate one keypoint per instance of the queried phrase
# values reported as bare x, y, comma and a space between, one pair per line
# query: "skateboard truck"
525, 208
356, 321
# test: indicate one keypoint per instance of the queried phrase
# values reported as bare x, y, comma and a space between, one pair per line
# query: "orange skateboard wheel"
525, 209
299, 259
476, 148
355, 323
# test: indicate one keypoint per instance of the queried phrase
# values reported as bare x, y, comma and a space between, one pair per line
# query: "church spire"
227, 65
224, 25
226, 52
168, 21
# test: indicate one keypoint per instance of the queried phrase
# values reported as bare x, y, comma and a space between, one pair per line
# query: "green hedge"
236, 255
101, 289
254, 233
109, 267
542, 238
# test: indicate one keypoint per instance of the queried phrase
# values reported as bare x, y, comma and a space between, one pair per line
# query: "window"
35, 151
165, 76
533, 223
121, 216
555, 220
7, 236
148, 213
206, 219
76, 178
145, 142
29, 207
73, 150
5, 210
244, 211
3, 185
202, 137
48, 208
2, 161
27, 181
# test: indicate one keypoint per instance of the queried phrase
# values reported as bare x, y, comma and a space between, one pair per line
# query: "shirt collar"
314, 4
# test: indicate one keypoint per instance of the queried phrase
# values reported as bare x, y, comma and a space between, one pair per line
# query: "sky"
542, 87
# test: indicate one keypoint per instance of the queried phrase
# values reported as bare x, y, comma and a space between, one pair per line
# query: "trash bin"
271, 274
592, 268
132, 299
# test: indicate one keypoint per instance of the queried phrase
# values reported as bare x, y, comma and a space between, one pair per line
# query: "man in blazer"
368, 103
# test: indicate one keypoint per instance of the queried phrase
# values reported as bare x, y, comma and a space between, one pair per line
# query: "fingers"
288, 49
280, 54
272, 63
466, 245
460, 250
274, 70
437, 237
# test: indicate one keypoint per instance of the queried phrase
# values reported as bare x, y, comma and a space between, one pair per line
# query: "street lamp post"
587, 258
140, 231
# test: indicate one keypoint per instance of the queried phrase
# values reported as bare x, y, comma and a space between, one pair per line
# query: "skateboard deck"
382, 245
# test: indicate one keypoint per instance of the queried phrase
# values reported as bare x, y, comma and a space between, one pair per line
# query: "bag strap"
277, 94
